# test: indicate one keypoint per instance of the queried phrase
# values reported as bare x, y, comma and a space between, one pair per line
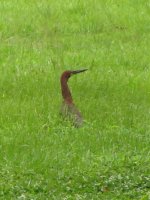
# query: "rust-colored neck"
65, 89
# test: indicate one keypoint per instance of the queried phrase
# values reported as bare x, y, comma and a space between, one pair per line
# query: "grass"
43, 157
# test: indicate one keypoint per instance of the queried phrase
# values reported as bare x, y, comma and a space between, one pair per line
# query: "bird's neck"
66, 91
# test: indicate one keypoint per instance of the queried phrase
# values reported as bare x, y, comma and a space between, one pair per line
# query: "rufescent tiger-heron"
68, 109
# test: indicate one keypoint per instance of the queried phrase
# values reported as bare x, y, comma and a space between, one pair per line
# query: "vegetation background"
44, 157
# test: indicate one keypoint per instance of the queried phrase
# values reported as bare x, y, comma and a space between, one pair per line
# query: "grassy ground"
43, 157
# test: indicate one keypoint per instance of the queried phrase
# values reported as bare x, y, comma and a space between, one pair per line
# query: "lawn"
41, 155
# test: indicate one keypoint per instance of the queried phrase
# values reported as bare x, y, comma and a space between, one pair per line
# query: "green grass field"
43, 157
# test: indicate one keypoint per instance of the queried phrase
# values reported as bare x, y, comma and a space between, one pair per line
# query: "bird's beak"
78, 71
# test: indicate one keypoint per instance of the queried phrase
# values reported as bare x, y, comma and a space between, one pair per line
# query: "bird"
68, 108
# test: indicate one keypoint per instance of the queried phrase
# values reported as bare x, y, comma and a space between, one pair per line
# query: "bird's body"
71, 112
68, 108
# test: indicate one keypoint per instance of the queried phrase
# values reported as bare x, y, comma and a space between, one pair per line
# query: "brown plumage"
68, 108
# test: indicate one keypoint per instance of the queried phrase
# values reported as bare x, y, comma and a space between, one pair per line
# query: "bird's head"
67, 74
